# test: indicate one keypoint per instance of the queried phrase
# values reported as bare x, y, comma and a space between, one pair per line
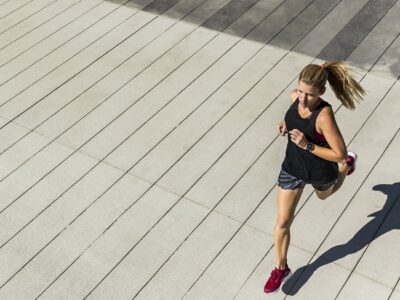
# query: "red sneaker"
351, 162
276, 278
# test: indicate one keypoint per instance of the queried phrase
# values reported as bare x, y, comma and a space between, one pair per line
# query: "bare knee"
322, 195
283, 223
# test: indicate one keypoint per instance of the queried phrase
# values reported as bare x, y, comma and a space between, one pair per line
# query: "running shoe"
276, 279
351, 162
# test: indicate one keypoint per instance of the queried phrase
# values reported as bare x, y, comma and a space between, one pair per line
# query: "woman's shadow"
370, 231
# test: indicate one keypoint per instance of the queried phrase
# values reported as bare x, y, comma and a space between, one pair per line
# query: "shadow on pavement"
287, 22
378, 226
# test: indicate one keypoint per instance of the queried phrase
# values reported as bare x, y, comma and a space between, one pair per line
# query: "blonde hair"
337, 73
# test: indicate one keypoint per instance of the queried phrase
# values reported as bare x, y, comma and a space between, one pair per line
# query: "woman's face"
308, 94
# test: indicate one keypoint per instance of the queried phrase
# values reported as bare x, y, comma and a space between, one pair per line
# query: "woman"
315, 153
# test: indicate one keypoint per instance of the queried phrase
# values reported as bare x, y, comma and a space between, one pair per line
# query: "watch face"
309, 146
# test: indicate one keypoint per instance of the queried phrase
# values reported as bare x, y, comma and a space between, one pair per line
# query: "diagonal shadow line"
368, 233
342, 44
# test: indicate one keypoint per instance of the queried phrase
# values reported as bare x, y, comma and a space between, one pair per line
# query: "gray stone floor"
139, 153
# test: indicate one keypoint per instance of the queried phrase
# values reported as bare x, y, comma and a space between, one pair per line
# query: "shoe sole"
283, 281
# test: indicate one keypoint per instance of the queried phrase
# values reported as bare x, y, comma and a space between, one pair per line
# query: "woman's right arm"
281, 125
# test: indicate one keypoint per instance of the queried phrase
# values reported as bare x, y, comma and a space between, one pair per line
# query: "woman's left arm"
327, 124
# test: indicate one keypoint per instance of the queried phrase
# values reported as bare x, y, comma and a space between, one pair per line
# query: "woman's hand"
281, 128
298, 137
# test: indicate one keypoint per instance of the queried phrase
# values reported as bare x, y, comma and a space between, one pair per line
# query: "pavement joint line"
395, 289
9, 13
36, 12
54, 32
71, 57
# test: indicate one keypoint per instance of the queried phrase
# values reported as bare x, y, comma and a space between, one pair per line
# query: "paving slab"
160, 243
246, 249
21, 29
9, 133
10, 6
12, 16
15, 156
13, 46
38, 198
33, 279
359, 288
15, 82
32, 172
177, 275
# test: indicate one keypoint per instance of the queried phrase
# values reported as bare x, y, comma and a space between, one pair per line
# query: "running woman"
315, 153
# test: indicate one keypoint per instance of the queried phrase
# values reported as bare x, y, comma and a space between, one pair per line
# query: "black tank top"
301, 163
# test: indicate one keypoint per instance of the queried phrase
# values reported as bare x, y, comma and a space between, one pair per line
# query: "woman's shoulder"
324, 104
325, 113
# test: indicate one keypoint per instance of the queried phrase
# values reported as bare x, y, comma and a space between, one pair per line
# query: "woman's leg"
342, 173
286, 203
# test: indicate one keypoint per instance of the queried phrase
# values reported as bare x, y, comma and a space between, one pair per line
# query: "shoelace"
274, 273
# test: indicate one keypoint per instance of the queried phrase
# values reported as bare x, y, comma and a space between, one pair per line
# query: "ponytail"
337, 73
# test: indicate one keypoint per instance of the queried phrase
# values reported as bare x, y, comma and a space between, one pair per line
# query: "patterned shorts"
289, 182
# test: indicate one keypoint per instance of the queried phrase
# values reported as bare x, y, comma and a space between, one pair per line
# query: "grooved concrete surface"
139, 156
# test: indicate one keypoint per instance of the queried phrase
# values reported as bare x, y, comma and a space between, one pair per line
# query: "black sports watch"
310, 147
